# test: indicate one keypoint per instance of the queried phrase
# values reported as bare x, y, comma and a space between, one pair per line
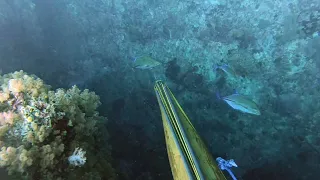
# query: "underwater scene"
159, 90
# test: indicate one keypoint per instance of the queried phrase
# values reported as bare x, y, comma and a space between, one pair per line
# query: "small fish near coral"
226, 69
241, 103
145, 62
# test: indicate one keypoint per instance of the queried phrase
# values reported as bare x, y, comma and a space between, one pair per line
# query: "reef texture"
40, 129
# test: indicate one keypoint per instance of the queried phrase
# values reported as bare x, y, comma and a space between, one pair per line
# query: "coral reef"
40, 129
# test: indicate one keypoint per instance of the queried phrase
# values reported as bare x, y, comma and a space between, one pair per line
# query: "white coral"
78, 157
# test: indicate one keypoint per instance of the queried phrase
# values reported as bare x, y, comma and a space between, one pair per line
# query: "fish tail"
133, 59
218, 95
215, 67
235, 91
225, 67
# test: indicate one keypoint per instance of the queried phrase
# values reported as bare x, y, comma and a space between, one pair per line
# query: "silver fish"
145, 62
242, 103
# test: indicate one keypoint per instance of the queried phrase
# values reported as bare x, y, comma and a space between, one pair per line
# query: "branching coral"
40, 128
78, 157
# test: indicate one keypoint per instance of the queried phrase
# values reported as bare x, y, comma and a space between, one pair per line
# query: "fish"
145, 62
241, 103
227, 69
316, 34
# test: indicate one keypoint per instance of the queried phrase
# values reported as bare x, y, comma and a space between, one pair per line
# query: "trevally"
242, 103
145, 62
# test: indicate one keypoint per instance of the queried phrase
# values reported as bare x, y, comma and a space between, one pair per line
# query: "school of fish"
238, 101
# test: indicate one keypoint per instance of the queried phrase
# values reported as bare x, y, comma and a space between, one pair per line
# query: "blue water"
273, 47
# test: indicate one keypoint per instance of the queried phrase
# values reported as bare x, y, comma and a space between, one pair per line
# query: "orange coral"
16, 85
4, 96
6, 118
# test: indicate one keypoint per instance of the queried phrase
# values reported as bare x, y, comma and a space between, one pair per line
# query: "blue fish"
316, 34
227, 69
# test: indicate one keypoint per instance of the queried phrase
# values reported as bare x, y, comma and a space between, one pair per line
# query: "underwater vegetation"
47, 134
